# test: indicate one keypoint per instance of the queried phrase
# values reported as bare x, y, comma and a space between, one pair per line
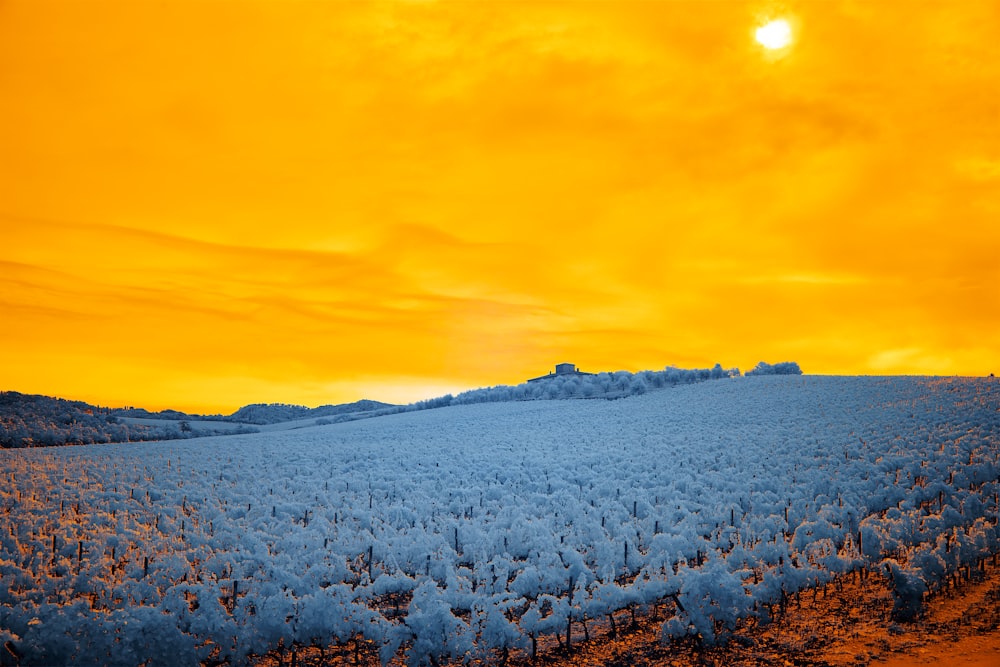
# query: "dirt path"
976, 651
961, 629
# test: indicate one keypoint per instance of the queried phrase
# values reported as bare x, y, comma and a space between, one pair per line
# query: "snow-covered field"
468, 530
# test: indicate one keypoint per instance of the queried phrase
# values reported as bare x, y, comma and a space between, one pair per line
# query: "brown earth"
847, 625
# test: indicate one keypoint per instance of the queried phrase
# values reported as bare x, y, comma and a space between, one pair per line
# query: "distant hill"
171, 415
273, 413
31, 420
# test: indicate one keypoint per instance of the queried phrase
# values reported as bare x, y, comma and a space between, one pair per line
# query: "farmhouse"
562, 370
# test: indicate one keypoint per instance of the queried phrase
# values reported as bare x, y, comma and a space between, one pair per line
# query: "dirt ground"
846, 626
961, 630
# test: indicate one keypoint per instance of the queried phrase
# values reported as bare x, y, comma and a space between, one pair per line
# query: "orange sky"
207, 204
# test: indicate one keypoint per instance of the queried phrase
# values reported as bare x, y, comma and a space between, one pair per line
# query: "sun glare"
776, 34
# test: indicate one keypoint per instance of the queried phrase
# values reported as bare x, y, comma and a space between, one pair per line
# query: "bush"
782, 368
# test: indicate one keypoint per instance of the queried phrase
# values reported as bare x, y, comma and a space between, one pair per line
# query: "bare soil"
849, 624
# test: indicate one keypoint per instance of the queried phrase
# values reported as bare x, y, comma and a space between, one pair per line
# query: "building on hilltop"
562, 370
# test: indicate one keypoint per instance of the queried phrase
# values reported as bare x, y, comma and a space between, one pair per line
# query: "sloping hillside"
501, 530
39, 421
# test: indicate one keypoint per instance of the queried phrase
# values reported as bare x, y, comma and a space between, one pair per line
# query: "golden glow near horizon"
204, 205
775, 34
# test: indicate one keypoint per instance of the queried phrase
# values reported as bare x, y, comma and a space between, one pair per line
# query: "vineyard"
497, 531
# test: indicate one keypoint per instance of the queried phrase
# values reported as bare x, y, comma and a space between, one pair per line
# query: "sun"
776, 34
